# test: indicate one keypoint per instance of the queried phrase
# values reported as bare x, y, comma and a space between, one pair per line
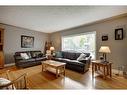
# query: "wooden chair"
18, 83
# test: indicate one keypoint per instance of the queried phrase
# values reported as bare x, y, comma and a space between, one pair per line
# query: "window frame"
66, 36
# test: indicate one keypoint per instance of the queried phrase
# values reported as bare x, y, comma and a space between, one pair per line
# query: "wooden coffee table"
54, 66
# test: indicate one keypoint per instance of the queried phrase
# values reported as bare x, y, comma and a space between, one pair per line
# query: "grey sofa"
71, 63
35, 58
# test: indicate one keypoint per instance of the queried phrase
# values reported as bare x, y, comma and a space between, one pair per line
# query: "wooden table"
54, 66
102, 68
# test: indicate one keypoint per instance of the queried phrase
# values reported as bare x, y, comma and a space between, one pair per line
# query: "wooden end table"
54, 66
102, 68
49, 57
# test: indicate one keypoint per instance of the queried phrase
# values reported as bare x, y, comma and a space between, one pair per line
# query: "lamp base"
105, 58
106, 61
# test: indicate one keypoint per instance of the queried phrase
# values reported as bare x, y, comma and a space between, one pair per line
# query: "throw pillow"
40, 55
81, 57
58, 55
29, 54
24, 55
33, 54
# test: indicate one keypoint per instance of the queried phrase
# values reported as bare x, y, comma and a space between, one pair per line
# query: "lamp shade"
104, 49
52, 48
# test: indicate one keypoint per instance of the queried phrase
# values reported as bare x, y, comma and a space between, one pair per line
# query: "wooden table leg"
64, 70
110, 68
104, 75
107, 70
56, 72
95, 67
99, 67
92, 70
42, 67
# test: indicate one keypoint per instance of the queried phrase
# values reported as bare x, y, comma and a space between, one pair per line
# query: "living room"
71, 35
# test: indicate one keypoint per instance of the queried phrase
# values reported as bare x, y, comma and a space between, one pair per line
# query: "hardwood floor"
73, 80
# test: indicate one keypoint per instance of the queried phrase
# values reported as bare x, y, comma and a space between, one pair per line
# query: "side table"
49, 57
102, 68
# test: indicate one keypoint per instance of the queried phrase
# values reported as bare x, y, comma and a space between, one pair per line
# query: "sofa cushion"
41, 59
75, 62
69, 55
64, 54
36, 54
26, 60
77, 55
61, 60
18, 58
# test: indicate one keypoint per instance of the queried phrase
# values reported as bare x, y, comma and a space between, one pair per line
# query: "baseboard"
10, 64
117, 72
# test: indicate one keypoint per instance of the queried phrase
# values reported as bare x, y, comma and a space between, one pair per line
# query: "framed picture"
27, 41
104, 37
119, 34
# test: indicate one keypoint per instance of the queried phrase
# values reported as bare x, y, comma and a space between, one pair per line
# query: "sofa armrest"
87, 61
83, 61
44, 55
17, 58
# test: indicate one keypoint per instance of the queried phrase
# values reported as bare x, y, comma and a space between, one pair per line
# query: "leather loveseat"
70, 58
35, 58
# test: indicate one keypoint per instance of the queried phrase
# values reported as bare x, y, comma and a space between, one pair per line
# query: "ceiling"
50, 19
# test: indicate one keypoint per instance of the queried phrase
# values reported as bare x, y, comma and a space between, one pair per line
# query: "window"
81, 43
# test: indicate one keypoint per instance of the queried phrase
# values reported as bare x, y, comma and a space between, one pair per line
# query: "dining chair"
18, 83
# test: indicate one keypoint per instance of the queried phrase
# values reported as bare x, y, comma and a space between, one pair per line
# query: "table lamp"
104, 50
52, 49
48, 52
